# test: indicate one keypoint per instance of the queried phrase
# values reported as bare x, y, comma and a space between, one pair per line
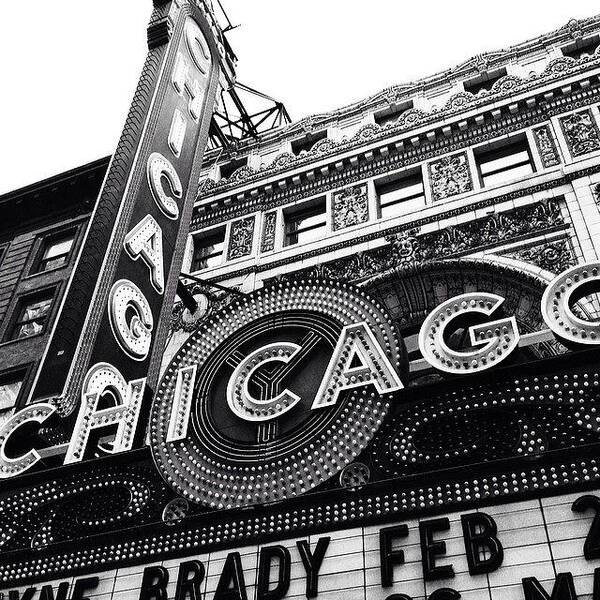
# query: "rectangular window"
581, 47
31, 316
228, 169
485, 81
307, 142
400, 194
208, 249
392, 113
306, 224
512, 160
55, 252
10, 386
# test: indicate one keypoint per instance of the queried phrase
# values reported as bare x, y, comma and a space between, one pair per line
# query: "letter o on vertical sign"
496, 338
560, 296
133, 334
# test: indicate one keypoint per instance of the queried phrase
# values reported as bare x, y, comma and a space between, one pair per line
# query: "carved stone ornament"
450, 176
350, 207
555, 257
241, 237
407, 249
596, 192
544, 140
581, 132
267, 242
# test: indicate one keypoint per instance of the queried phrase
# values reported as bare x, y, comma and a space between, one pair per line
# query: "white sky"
68, 68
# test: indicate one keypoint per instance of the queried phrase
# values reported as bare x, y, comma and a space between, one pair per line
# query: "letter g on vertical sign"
496, 338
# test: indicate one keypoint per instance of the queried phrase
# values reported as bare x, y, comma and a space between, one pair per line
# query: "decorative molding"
241, 238
450, 176
407, 248
358, 170
546, 145
581, 132
596, 192
350, 206
506, 86
555, 257
267, 242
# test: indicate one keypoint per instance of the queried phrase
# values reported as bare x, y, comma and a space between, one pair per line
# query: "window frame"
19, 307
389, 180
496, 148
18, 373
45, 241
304, 210
208, 233
481, 82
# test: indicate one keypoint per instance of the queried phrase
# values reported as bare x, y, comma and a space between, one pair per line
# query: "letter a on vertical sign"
116, 307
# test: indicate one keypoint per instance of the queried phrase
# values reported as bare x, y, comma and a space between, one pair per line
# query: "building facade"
382, 382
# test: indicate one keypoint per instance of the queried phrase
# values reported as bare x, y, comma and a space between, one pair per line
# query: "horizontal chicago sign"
537, 550
232, 376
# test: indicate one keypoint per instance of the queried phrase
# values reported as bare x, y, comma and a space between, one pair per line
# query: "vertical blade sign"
112, 324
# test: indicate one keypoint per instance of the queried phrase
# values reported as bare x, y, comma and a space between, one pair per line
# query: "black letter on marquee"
388, 557
47, 592
312, 563
431, 549
232, 585
444, 594
154, 584
189, 585
83, 586
563, 589
596, 594
480, 533
27, 594
591, 547
264, 571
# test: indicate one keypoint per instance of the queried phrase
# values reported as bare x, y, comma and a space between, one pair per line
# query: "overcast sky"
69, 68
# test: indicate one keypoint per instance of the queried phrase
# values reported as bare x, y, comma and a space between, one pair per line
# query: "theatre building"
369, 370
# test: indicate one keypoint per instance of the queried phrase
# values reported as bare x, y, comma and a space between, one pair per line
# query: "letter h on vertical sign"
111, 327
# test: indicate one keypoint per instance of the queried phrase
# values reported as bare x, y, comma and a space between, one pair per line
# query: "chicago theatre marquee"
356, 356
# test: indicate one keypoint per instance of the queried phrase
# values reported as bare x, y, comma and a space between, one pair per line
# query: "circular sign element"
275, 394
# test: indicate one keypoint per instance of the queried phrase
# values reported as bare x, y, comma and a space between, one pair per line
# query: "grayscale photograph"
300, 300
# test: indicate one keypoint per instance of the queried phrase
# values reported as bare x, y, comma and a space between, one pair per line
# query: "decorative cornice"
574, 29
356, 170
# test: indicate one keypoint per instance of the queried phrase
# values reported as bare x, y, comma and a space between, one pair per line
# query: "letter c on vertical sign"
496, 338
559, 297
132, 332
36, 413
160, 168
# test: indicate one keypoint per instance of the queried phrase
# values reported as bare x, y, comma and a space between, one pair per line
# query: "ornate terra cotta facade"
386, 384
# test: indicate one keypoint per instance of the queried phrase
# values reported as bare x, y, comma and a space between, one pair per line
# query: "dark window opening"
10, 387
307, 142
392, 113
31, 316
400, 195
228, 169
509, 161
208, 249
55, 252
306, 224
582, 47
485, 81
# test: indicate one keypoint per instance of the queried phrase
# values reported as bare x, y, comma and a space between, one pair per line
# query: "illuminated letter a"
358, 359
